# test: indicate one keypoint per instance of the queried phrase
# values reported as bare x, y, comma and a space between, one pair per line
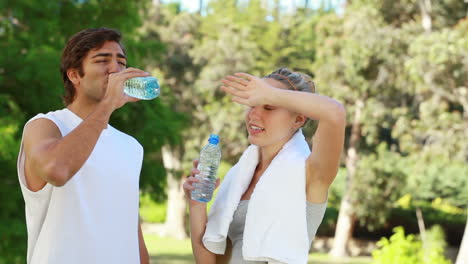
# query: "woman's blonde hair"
296, 81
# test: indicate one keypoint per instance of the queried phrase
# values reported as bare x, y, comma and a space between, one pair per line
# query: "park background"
400, 67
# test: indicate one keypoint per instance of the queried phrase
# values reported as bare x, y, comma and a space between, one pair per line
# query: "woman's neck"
267, 154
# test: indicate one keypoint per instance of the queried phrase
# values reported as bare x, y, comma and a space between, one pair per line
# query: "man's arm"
144, 256
51, 158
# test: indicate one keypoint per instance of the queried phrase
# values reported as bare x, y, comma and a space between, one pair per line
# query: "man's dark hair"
76, 50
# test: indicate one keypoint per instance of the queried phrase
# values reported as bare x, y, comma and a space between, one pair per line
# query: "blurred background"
399, 66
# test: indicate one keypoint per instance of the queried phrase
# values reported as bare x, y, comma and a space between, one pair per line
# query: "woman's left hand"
247, 89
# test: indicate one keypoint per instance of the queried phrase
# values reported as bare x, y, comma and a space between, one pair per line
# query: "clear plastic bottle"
145, 88
210, 157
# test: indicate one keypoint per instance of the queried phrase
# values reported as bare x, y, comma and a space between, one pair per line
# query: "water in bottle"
210, 156
145, 88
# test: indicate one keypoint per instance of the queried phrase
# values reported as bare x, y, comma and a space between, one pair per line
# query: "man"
80, 176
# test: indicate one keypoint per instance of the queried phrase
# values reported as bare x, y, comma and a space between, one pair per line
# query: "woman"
277, 221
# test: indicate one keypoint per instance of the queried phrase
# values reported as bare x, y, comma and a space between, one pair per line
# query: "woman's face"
270, 125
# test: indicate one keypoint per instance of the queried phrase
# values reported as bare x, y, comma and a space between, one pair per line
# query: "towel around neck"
276, 226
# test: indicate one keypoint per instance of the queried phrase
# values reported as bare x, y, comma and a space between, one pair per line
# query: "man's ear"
74, 76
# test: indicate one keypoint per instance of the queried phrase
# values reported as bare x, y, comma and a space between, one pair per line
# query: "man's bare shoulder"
38, 130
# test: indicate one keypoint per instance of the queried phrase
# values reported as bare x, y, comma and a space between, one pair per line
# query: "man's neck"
82, 109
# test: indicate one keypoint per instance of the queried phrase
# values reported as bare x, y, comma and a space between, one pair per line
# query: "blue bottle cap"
214, 139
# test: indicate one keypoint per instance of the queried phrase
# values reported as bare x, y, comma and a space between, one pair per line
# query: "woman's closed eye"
269, 107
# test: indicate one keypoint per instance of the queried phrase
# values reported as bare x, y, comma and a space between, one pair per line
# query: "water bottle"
145, 88
210, 156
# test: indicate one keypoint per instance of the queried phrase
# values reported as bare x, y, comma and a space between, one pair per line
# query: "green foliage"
402, 249
155, 211
335, 194
438, 179
32, 36
12, 227
402, 86
151, 211
444, 13
435, 129
409, 87
377, 186
399, 249
153, 124
452, 224
434, 249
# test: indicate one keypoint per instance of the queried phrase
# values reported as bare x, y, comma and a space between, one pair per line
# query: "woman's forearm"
198, 220
314, 106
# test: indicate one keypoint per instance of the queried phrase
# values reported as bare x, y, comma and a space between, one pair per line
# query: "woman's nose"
254, 112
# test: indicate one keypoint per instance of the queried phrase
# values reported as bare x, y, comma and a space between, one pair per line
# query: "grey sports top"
314, 214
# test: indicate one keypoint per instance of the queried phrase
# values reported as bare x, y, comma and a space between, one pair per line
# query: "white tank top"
93, 218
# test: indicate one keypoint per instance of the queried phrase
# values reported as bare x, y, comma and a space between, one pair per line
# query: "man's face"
97, 65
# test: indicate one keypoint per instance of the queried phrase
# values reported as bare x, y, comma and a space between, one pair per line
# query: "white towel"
276, 224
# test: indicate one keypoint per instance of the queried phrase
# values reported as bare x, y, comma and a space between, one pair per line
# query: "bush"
453, 224
402, 249
433, 252
399, 249
151, 211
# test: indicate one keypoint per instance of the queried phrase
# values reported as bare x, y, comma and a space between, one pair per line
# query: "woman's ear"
300, 121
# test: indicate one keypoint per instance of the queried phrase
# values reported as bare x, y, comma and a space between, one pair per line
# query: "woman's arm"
322, 164
328, 141
198, 220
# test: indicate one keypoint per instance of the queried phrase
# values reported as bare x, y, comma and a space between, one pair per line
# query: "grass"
168, 250
321, 258
172, 251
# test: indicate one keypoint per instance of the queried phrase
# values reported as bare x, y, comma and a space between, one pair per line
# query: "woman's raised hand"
247, 89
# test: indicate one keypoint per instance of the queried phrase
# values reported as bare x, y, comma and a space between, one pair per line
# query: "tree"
363, 65
358, 65
176, 29
435, 131
32, 35
198, 56
187, 69
462, 251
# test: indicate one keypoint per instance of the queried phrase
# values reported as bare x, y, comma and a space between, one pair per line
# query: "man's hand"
114, 94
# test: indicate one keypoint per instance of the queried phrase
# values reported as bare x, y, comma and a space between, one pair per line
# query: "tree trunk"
466, 1
176, 206
425, 6
422, 227
422, 232
462, 257
277, 10
346, 218
157, 10
344, 228
293, 7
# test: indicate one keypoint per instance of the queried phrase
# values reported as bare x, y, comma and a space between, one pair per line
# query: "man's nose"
114, 66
